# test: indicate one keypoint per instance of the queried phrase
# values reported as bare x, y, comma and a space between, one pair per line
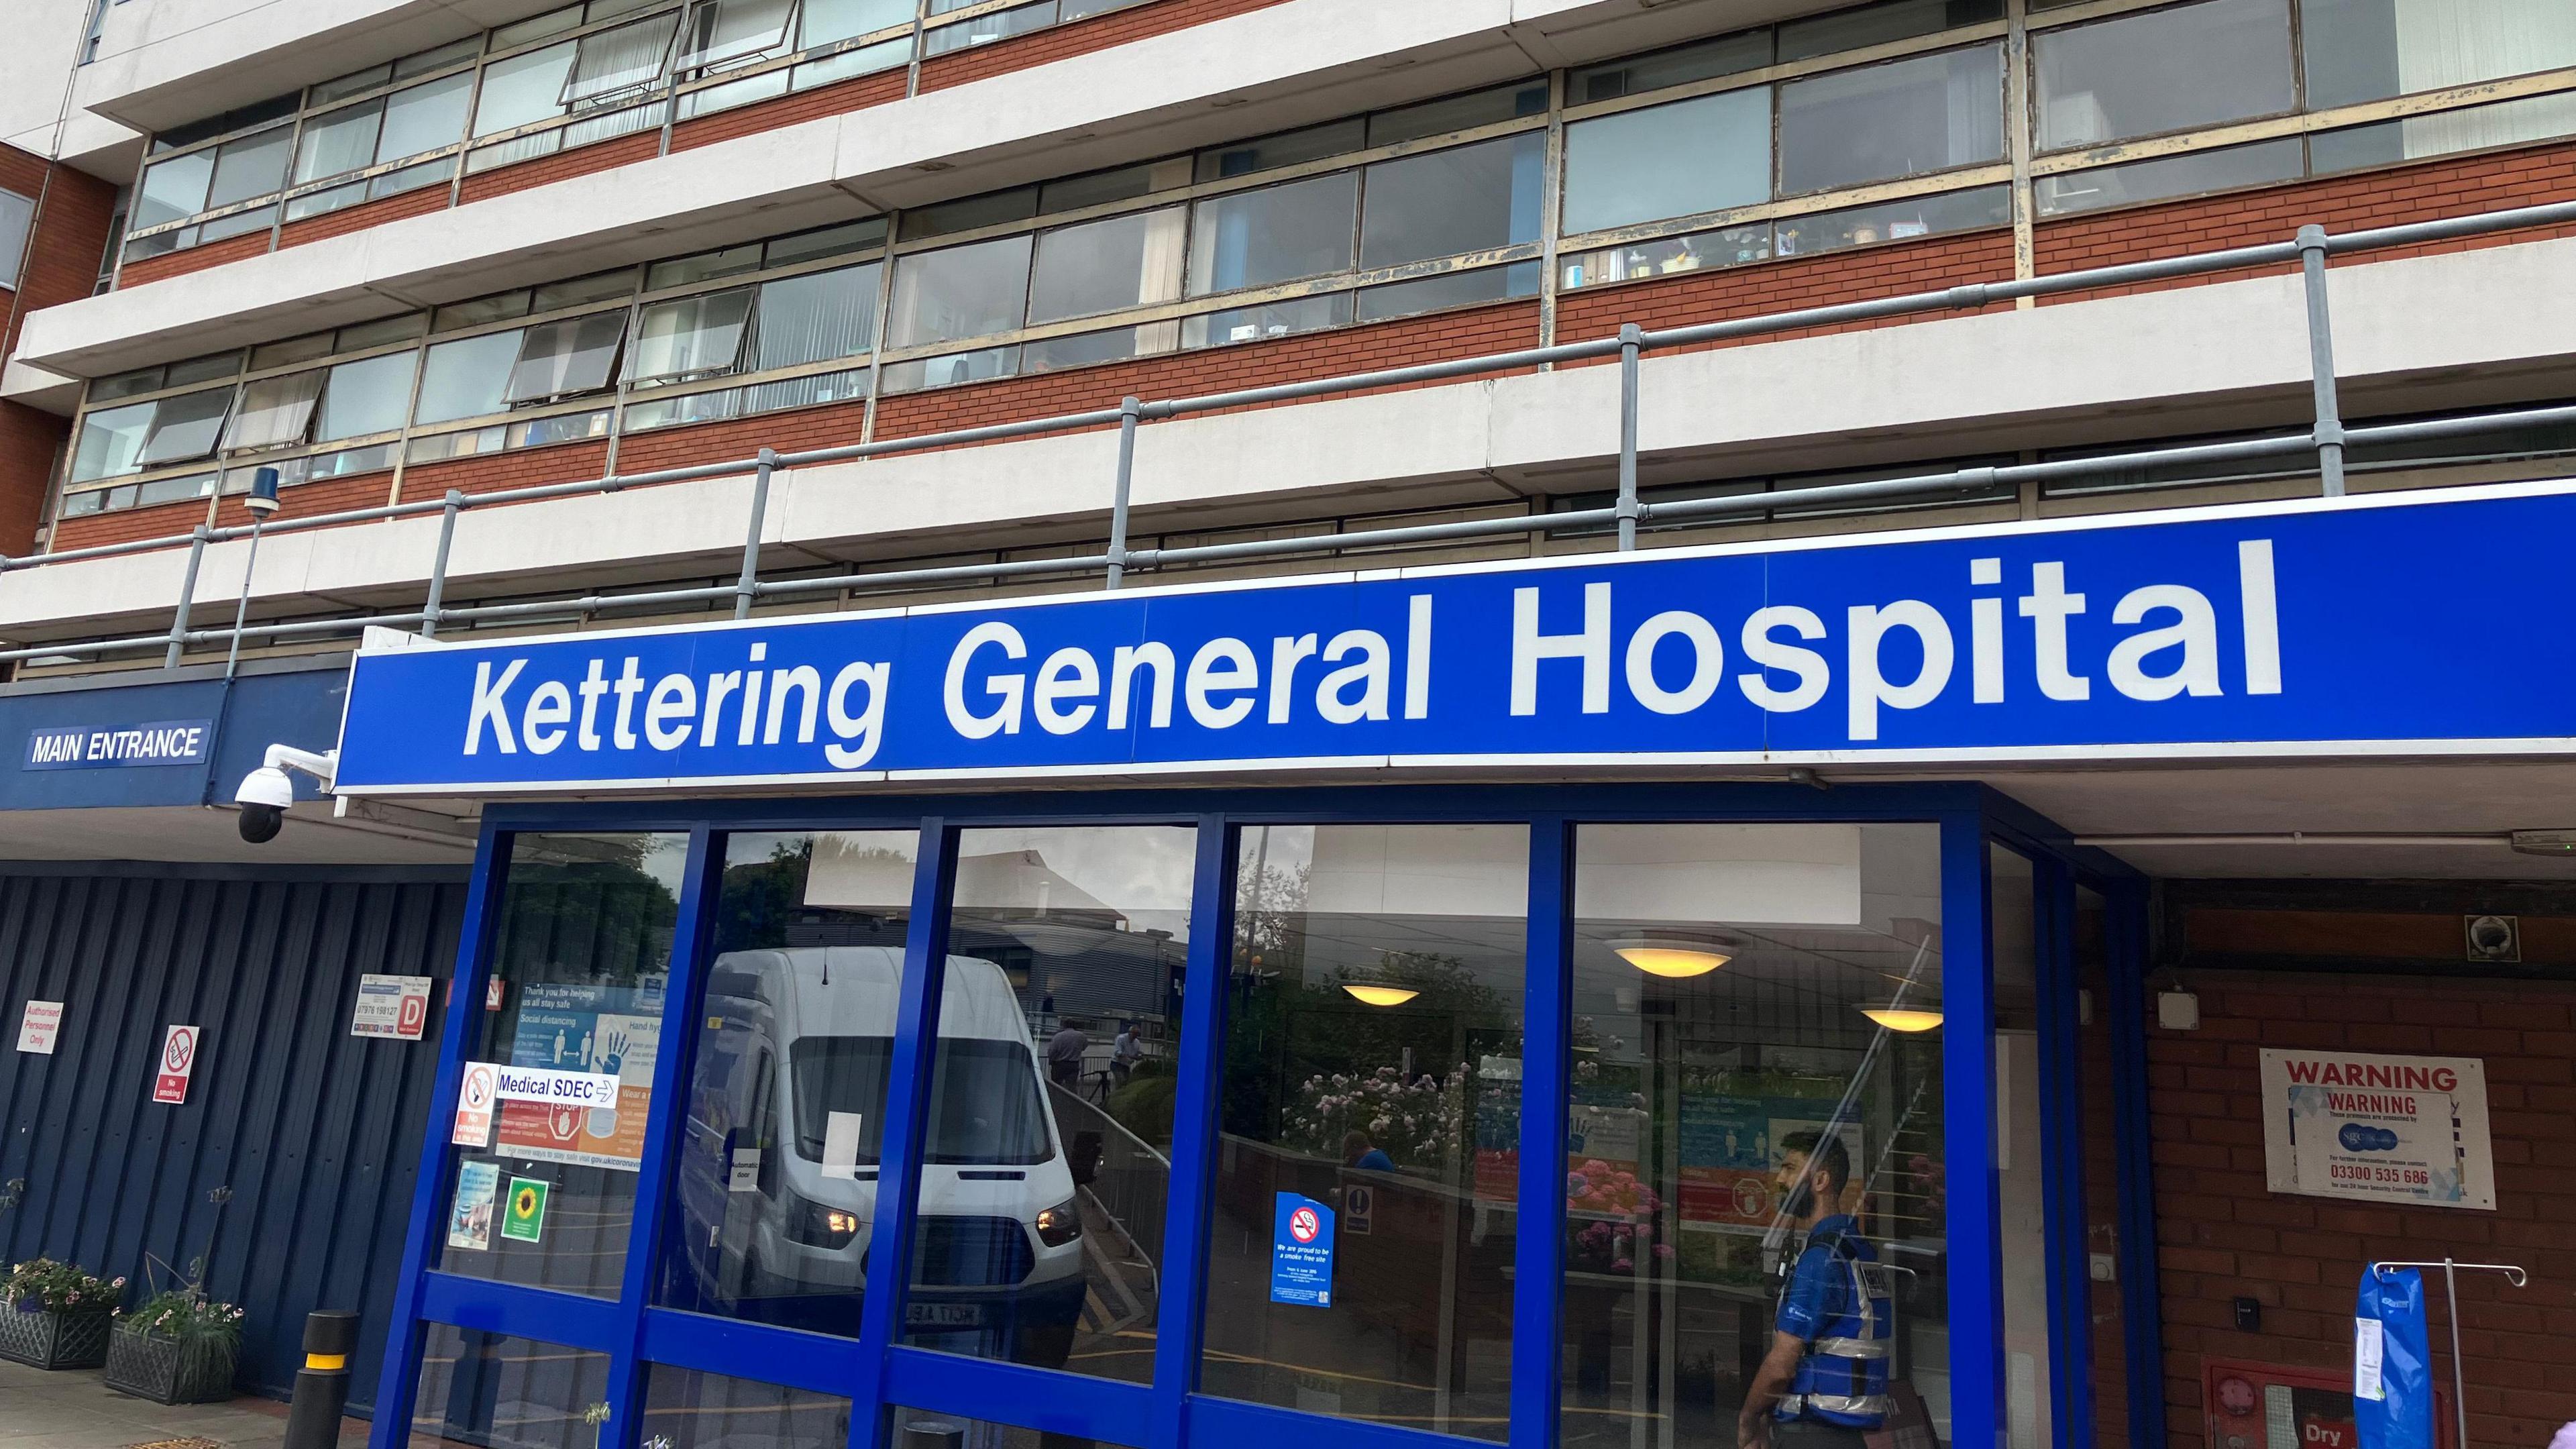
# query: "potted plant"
178, 1348
56, 1315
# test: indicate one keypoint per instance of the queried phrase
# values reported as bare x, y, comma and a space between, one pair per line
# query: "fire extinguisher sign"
178, 1063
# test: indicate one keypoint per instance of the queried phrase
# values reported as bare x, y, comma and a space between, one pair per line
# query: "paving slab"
73, 1409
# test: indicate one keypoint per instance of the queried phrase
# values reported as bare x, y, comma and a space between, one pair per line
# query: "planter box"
55, 1340
151, 1366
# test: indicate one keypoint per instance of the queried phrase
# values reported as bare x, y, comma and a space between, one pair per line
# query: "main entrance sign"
2400, 622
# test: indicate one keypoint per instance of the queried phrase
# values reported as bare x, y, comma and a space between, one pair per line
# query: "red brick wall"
855, 94
61, 264
826, 425
358, 218
159, 521
302, 500
1778, 286
563, 165
2457, 186
527, 467
2223, 1235
193, 259
1082, 37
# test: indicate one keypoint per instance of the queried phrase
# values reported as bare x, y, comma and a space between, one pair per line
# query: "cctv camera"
266, 792
264, 795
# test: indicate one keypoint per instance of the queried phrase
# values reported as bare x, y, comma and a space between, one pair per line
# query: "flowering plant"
1420, 1123
41, 1285
1623, 1212
188, 1315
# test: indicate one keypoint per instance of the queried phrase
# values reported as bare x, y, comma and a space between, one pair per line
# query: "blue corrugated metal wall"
316, 1132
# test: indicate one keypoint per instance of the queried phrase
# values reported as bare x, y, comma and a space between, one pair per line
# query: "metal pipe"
241, 606
747, 587
2329, 430
2451, 1291
1129, 411
451, 505
1631, 339
2289, 837
953, 573
187, 599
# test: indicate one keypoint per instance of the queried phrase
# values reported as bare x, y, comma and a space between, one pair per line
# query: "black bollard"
322, 1385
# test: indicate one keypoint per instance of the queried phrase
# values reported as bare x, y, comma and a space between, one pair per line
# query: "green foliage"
188, 1315
44, 1285
1144, 1106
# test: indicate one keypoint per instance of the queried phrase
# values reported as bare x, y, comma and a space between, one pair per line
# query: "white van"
779, 1177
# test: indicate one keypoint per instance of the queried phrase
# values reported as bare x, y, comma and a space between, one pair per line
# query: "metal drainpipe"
748, 587
1129, 411
1631, 339
187, 598
2329, 431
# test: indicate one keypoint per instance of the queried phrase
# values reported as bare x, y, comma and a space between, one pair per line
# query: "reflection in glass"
1884, 122
926, 1429
544, 1194
1279, 234
1755, 1102
2095, 1057
1372, 1077
2226, 169
777, 1179
684, 1409
1681, 159
2021, 1186
2163, 70
496, 1392
1046, 1162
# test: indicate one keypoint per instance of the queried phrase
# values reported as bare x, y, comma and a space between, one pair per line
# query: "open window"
689, 336
576, 355
275, 412
719, 31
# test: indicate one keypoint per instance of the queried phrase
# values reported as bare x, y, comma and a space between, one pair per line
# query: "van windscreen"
984, 1098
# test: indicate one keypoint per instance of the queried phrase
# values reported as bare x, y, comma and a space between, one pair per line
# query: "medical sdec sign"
2421, 621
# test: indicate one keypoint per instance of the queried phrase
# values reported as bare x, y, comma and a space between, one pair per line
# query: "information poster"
2377, 1128
391, 1006
1301, 1252
469, 1220
613, 1031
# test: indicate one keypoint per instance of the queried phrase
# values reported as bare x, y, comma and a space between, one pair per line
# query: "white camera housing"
266, 792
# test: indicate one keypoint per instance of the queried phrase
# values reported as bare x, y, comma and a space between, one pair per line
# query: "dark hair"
1355, 1143
1824, 1154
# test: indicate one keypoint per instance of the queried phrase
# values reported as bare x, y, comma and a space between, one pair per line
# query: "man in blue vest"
1823, 1385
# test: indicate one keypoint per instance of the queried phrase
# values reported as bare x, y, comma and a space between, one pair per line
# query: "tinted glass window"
1681, 159
816, 317
969, 291
1124, 261
1442, 203
466, 378
2164, 70
1885, 122
1281, 234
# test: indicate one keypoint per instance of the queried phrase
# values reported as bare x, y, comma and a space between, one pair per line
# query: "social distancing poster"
613, 1031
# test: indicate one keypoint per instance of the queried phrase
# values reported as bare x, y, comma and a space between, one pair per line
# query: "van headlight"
820, 1225
1060, 1224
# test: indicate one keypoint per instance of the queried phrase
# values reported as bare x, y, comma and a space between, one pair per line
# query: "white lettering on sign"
41, 1027
543, 1084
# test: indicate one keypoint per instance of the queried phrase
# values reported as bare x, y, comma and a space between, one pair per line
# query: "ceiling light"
1380, 995
1675, 958
1902, 1018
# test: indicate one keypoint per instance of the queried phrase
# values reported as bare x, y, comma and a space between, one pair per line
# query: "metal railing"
2328, 438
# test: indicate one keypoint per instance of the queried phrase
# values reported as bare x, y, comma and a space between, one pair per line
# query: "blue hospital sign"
2398, 623
99, 747
1301, 1252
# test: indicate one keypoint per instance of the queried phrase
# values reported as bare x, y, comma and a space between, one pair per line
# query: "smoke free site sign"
2378, 1128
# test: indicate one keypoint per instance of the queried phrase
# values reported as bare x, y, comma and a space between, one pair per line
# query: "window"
2188, 174
825, 21
1374, 1039
185, 427
2368, 50
1700, 60
689, 336
341, 141
1457, 113
572, 356
424, 118
366, 396
1449, 289
1268, 320
523, 89
968, 291
684, 1409
984, 29
1280, 234
1442, 203
466, 378
1681, 159
1879, 24
1285, 149
816, 317
480, 1388
111, 441
251, 166
275, 412
1068, 949
1886, 122
1732, 1072
17, 219
1102, 266
173, 189
2164, 70
619, 59
721, 30
703, 267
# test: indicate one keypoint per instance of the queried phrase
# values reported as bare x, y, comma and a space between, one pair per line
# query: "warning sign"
525, 1219
41, 1027
178, 1063
2378, 1128
474, 1098
394, 1006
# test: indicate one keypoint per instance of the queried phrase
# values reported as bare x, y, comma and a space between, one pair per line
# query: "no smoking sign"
178, 1063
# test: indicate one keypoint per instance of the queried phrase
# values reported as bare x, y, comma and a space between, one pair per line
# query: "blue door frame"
876, 1371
